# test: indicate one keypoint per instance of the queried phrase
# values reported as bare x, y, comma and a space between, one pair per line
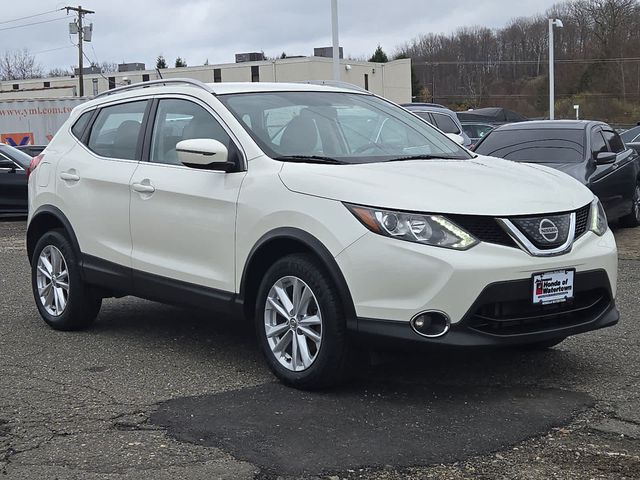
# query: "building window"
217, 75
145, 77
16, 86
366, 81
112, 83
47, 84
255, 73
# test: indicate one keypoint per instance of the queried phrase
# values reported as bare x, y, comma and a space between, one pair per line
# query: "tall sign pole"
553, 22
81, 13
336, 41
552, 99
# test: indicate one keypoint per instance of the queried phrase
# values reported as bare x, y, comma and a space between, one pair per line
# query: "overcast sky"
138, 31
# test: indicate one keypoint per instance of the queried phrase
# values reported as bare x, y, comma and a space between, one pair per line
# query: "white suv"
329, 215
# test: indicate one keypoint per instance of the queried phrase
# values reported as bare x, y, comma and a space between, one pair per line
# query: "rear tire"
633, 219
299, 307
64, 301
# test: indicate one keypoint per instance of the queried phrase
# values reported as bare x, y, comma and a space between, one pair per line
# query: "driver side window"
178, 120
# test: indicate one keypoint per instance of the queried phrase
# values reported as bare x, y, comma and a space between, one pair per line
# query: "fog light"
431, 324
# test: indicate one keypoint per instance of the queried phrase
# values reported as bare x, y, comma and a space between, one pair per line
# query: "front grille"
545, 231
485, 229
582, 220
506, 308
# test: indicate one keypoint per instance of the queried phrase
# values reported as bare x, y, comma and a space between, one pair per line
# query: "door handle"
69, 177
143, 188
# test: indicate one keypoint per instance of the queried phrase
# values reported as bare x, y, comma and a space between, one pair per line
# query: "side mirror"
205, 153
7, 166
604, 158
455, 137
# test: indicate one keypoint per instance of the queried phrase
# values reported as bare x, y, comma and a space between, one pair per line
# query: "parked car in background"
631, 136
13, 180
476, 131
591, 152
491, 115
31, 150
440, 117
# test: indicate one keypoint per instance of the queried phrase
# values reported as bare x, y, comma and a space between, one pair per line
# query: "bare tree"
60, 72
19, 65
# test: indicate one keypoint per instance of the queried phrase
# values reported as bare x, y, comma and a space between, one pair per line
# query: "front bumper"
502, 316
391, 281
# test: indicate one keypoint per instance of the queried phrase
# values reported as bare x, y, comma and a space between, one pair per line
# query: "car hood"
576, 170
479, 186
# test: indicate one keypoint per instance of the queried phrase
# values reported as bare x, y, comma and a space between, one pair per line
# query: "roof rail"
166, 81
337, 83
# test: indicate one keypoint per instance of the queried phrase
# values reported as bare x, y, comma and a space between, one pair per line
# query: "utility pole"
81, 13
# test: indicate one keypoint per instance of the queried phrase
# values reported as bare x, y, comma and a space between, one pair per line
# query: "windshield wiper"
424, 157
309, 159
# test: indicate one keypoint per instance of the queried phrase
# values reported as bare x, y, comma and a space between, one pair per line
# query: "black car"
13, 180
591, 152
31, 150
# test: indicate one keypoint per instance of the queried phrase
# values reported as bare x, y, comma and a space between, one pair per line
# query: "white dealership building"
391, 80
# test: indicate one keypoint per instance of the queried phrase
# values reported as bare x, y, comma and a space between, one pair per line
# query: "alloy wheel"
52, 279
293, 323
636, 203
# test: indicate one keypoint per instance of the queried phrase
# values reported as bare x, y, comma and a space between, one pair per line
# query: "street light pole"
557, 23
336, 41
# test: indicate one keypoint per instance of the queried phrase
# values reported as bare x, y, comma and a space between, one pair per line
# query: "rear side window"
615, 143
425, 116
81, 124
535, 146
445, 123
116, 130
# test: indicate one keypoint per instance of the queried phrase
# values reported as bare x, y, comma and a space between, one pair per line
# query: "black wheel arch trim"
312, 243
57, 213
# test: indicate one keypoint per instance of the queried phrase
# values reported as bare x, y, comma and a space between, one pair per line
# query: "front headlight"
434, 230
597, 218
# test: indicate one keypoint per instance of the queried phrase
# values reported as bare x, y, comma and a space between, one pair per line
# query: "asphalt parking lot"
157, 392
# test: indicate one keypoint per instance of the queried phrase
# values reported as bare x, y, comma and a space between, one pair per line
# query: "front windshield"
349, 127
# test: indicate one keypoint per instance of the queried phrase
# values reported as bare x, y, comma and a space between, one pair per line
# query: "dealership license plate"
553, 287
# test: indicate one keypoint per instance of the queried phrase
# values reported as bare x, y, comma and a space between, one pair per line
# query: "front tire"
633, 219
301, 324
64, 301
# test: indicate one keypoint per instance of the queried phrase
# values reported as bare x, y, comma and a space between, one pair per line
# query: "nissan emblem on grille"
548, 230
551, 234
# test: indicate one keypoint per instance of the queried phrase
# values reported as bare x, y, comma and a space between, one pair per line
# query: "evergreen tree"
161, 62
379, 56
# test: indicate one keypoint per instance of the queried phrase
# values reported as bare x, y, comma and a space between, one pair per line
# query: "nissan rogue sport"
327, 215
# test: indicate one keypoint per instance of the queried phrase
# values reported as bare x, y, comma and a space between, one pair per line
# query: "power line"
52, 49
30, 16
32, 23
